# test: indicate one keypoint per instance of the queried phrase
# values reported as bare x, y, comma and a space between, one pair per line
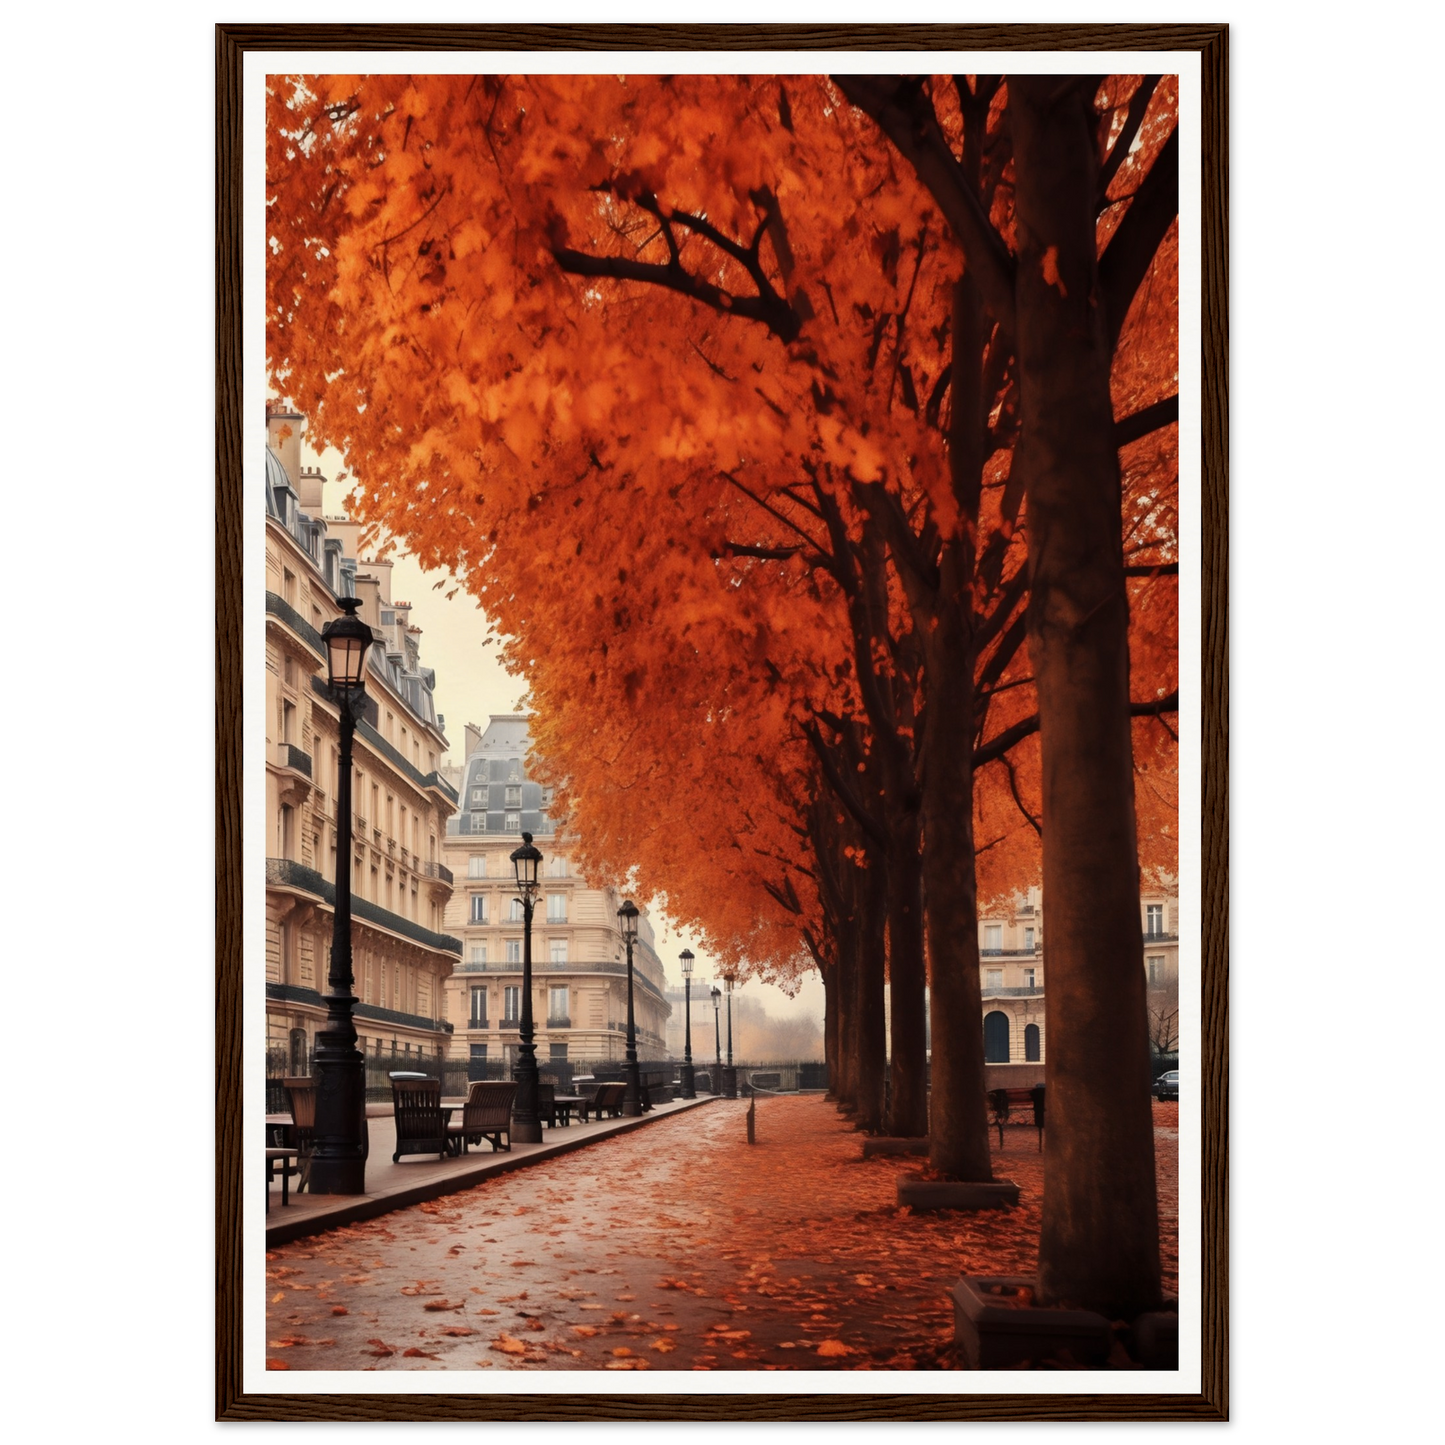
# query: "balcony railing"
288, 755
994, 990
1010, 952
286, 873
279, 608
294, 993
559, 1021
437, 870
1160, 937
477, 1024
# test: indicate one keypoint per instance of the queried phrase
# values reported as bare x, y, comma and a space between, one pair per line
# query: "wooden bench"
421, 1126
280, 1156
606, 1102
1001, 1101
487, 1114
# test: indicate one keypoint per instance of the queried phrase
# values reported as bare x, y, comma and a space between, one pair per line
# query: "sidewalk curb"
372, 1206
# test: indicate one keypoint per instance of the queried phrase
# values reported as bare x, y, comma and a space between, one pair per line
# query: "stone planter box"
996, 1332
955, 1194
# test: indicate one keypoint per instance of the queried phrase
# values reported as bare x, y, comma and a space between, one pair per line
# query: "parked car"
1166, 1086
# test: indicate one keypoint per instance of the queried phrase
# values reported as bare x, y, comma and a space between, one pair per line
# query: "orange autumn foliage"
634, 357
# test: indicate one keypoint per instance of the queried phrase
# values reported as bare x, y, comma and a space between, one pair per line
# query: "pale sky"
471, 685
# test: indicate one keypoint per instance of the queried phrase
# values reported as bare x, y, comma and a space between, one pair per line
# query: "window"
1155, 916
514, 950
547, 795
479, 953
479, 907
1156, 971
557, 1053
479, 797
556, 908
479, 822
993, 978
517, 913
993, 938
511, 1004
1029, 978
288, 719
479, 1008
514, 771
477, 865
995, 1038
559, 950
512, 822
477, 1062
557, 867
288, 586
514, 797
1031, 1043
1028, 940
556, 1004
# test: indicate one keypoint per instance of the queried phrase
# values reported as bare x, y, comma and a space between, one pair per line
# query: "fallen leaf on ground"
834, 1347
277, 1365
509, 1346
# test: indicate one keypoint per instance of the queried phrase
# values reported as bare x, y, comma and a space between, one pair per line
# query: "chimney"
281, 419
308, 490
383, 576
473, 735
368, 588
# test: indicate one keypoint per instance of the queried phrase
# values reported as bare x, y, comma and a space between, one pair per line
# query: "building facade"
1012, 968
579, 969
400, 800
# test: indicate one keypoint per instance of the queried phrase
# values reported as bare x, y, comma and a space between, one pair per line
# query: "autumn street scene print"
728, 919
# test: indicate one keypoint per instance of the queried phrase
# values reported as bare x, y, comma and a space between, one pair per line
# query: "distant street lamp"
717, 1037
632, 1100
688, 1090
338, 1160
730, 1074
526, 1121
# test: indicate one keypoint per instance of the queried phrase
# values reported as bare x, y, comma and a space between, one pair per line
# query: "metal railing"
436, 870
560, 1021
285, 873
279, 608
288, 755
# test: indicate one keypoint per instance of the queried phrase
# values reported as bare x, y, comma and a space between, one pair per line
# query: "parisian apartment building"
1012, 963
400, 801
579, 969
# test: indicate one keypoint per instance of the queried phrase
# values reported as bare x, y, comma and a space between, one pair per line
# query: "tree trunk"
958, 1119
829, 974
908, 1101
870, 1057
1099, 1242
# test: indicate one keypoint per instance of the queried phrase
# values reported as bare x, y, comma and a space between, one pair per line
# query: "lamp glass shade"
627, 920
525, 862
348, 639
686, 956
728, 982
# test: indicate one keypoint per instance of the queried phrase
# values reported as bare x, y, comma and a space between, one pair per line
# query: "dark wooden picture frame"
1211, 1403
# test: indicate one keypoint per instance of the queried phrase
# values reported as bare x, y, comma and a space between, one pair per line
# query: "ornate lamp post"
688, 1089
526, 1122
730, 1074
338, 1163
717, 1039
632, 1103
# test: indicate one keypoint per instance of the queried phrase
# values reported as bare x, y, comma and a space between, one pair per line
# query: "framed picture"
1159, 100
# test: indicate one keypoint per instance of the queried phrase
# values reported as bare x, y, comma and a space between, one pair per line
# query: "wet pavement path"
676, 1247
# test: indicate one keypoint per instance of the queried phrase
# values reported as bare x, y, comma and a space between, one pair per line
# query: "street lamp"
338, 1160
717, 1039
730, 1074
688, 1091
526, 1122
632, 1101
